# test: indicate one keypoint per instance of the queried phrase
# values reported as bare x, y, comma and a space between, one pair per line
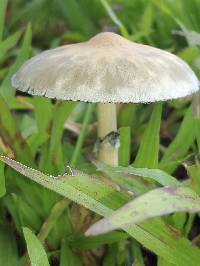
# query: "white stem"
107, 122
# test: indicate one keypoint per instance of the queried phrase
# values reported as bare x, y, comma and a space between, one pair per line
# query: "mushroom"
108, 69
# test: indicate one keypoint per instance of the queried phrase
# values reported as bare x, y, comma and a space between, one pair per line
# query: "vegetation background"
48, 135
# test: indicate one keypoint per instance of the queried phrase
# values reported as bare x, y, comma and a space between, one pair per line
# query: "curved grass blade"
157, 175
36, 251
157, 202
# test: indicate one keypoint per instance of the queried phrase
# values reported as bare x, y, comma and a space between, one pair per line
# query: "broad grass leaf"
3, 6
147, 155
180, 145
154, 234
154, 203
36, 252
8, 247
6, 89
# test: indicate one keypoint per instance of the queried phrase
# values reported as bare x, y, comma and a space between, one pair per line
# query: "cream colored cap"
107, 68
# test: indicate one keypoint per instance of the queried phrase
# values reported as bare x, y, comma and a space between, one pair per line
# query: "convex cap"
107, 68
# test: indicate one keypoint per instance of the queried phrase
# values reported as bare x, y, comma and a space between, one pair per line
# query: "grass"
45, 219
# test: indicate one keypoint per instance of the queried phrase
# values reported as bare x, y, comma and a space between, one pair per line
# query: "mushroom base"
107, 123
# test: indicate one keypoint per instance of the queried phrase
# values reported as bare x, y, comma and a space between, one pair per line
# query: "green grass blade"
61, 114
125, 144
11, 135
70, 10
8, 247
67, 257
37, 254
137, 254
180, 145
114, 18
6, 89
2, 180
3, 6
43, 118
148, 152
9, 43
110, 257
52, 156
81, 137
54, 215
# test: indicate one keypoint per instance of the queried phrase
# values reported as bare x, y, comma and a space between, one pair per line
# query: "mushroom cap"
107, 68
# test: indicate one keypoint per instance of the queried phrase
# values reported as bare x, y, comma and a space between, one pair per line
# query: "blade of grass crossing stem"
3, 6
125, 144
114, 18
79, 143
148, 152
153, 234
67, 257
6, 89
37, 254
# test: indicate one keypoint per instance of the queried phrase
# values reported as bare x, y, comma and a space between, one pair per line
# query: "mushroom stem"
107, 123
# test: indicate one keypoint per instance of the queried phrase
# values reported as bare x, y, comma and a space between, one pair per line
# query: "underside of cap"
107, 68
